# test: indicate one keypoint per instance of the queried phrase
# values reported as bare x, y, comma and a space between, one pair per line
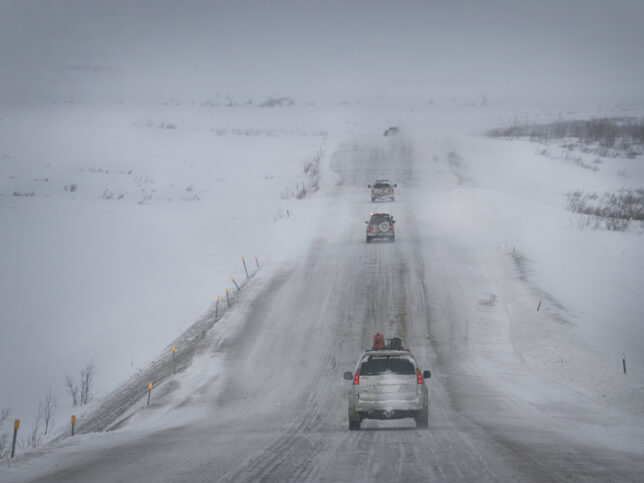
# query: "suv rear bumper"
389, 234
390, 409
395, 414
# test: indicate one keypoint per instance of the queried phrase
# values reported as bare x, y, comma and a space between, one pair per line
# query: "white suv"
382, 190
388, 384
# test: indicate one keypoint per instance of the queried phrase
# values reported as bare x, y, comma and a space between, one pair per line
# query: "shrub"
610, 136
612, 211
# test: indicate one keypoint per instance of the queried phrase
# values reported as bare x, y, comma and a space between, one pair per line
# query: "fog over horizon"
583, 51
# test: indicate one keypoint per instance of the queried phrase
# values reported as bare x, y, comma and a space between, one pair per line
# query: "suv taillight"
356, 378
419, 376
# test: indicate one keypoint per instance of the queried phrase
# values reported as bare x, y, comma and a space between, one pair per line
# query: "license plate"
387, 389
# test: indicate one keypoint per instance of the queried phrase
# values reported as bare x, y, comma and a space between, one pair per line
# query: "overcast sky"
546, 49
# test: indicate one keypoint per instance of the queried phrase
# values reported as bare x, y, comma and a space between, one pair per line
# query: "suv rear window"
382, 185
390, 364
377, 219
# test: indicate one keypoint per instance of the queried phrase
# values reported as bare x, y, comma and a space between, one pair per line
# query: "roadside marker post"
149, 392
174, 361
73, 423
539, 306
245, 269
235, 283
624, 363
217, 308
227, 297
256, 262
16, 425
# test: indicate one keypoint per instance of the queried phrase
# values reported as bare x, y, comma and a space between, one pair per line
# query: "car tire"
354, 420
422, 419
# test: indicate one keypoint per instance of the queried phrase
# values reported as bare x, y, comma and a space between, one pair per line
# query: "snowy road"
277, 409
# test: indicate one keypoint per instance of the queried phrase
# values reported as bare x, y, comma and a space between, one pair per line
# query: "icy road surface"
275, 407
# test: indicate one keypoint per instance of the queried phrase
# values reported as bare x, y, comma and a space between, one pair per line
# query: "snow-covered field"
585, 282
555, 303
120, 226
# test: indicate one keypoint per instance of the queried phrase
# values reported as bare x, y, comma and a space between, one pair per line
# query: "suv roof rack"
395, 343
380, 343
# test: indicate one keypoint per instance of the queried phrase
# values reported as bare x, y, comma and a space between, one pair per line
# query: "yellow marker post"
16, 425
256, 262
245, 269
235, 283
227, 297
149, 392
174, 361
217, 308
73, 423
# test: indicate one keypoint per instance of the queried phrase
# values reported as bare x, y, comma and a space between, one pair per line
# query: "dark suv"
380, 226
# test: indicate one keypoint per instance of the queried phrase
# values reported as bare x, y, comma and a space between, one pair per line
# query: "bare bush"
49, 405
4, 415
612, 211
109, 195
5, 435
606, 137
87, 381
72, 389
604, 131
312, 173
81, 394
35, 436
567, 155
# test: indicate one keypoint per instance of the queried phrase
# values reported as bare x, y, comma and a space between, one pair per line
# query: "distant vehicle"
391, 131
380, 226
382, 189
388, 384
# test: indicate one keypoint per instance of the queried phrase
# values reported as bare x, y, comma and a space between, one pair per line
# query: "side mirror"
366, 222
348, 376
393, 221
427, 374
395, 186
368, 186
